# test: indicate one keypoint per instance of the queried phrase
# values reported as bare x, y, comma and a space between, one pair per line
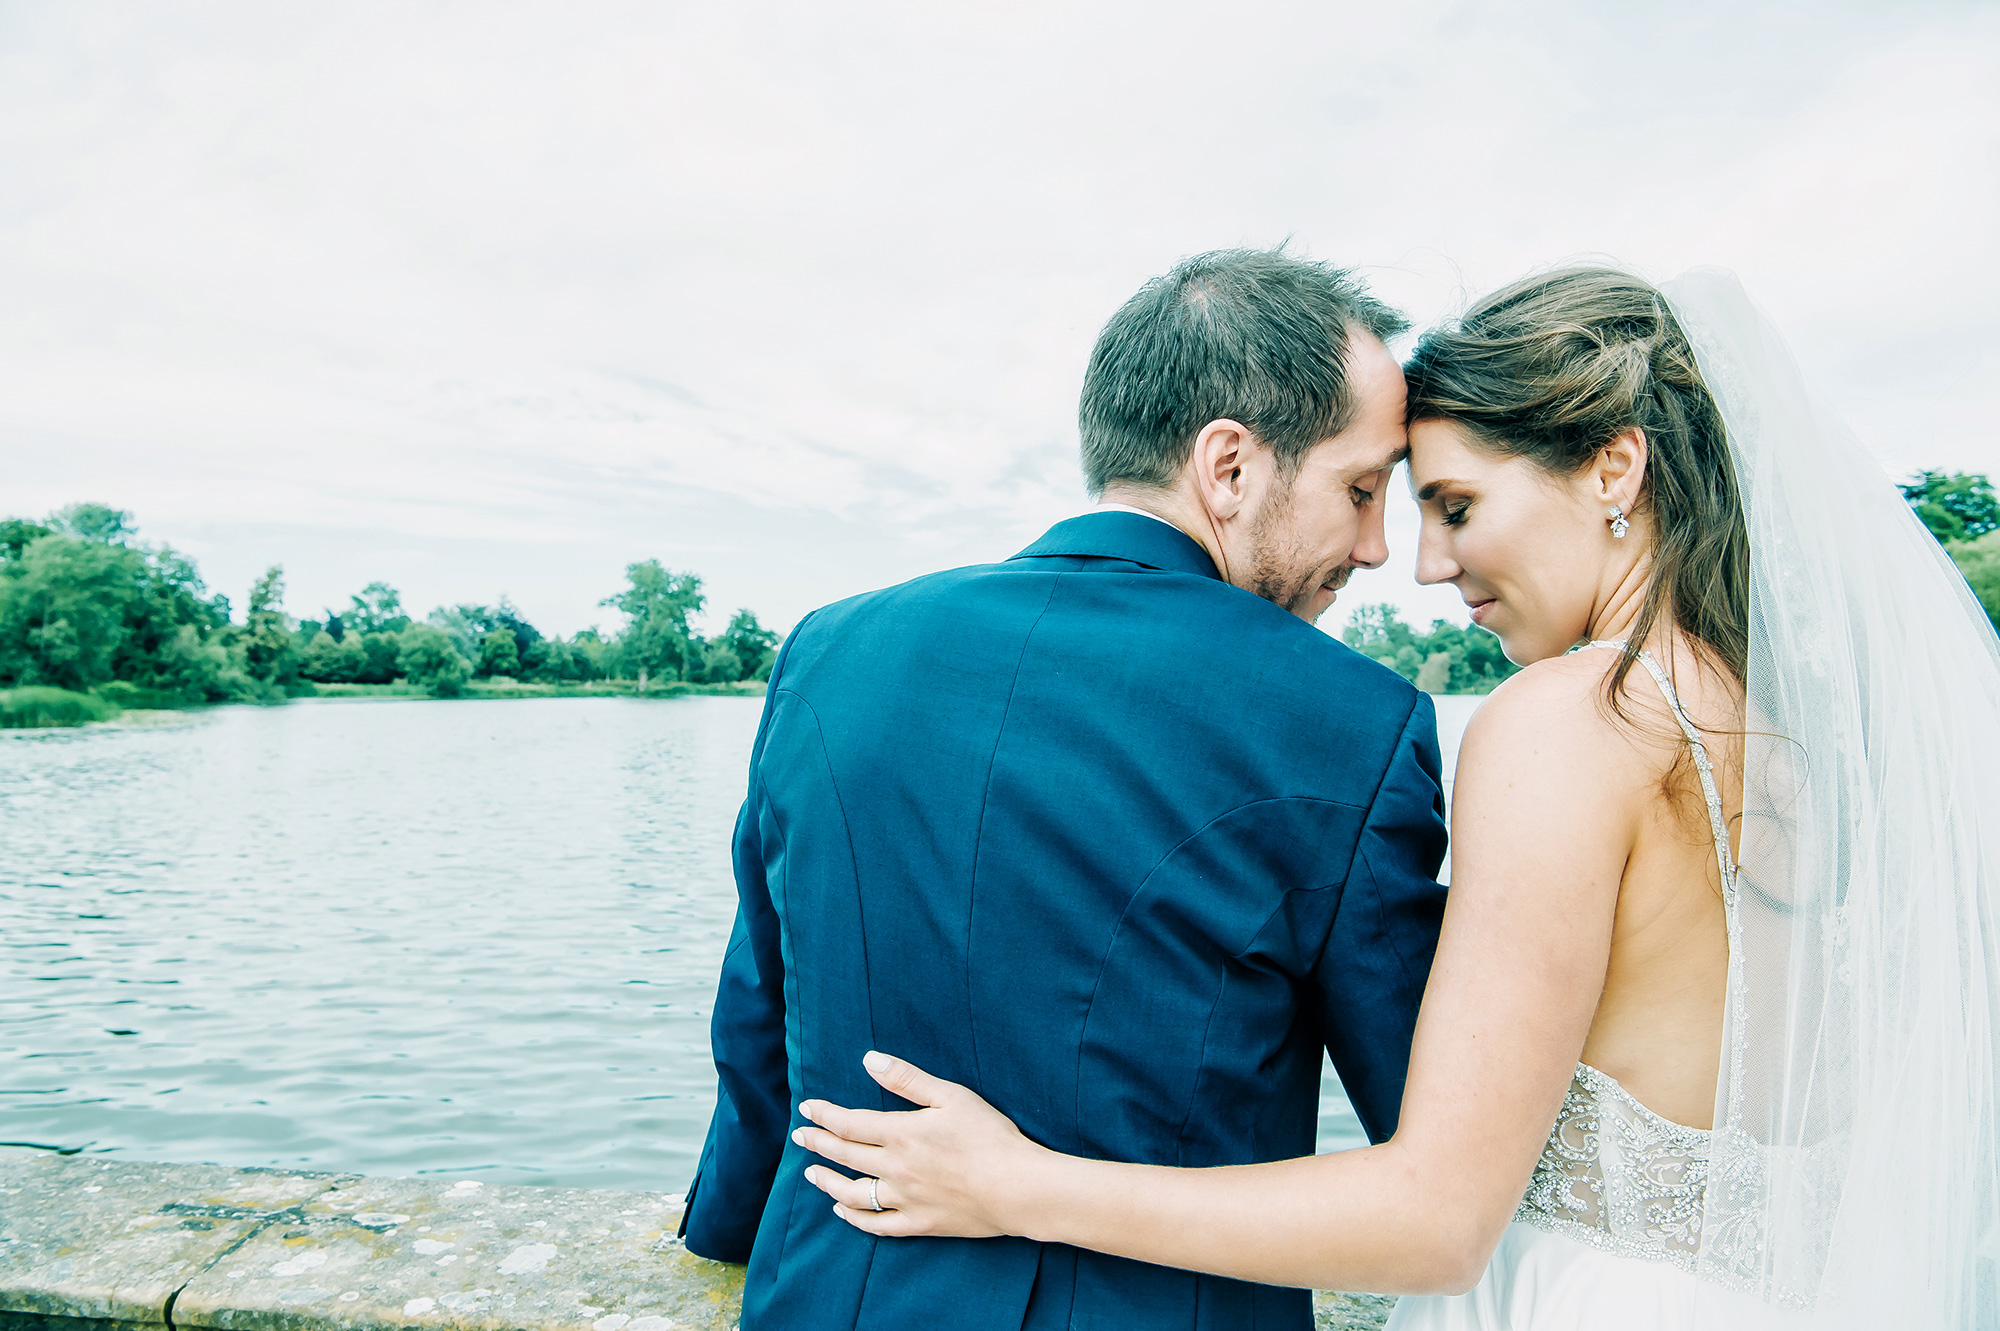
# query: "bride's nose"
1434, 561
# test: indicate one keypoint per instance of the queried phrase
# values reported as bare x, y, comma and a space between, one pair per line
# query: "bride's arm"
1545, 813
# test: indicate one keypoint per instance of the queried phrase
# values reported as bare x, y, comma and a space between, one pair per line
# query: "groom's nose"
1371, 543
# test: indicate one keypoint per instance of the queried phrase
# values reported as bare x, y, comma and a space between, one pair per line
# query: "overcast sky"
494, 298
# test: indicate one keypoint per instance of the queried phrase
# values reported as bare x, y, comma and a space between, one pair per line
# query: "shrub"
38, 706
430, 662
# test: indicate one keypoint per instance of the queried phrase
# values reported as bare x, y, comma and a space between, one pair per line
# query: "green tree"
269, 654
553, 661
320, 662
430, 661
498, 654
657, 639
330, 661
64, 606
380, 650
526, 635
195, 668
720, 664
376, 608
468, 625
1956, 506
17, 534
83, 605
755, 646
94, 522
353, 660
463, 624
594, 658
1446, 659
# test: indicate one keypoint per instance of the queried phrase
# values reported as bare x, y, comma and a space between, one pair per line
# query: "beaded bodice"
1614, 1174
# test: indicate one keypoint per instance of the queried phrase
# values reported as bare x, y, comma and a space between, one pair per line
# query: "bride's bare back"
1658, 1025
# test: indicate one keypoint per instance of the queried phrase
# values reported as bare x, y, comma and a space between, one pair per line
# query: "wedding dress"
1852, 1179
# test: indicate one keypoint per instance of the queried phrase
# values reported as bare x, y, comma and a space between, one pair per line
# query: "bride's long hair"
1554, 367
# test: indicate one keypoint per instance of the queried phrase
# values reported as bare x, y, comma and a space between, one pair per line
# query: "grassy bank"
508, 688
33, 708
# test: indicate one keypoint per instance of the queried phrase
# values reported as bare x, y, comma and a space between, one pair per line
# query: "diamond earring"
1619, 526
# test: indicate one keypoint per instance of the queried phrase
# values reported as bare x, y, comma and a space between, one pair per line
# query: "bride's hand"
954, 1167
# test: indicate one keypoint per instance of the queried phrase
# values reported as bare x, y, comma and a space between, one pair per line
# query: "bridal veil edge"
1855, 1165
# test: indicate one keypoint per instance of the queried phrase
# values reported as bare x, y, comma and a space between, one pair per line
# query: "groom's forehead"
1374, 456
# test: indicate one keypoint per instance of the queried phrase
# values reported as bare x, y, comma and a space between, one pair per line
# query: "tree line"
88, 608
1960, 508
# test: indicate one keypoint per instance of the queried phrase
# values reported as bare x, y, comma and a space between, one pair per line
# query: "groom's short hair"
1255, 336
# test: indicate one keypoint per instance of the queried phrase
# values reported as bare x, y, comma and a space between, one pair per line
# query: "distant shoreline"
478, 689
46, 709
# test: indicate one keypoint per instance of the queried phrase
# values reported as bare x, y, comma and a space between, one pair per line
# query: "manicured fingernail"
875, 1062
798, 1136
840, 1210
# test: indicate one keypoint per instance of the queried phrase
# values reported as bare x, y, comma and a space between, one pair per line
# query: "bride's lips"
1479, 609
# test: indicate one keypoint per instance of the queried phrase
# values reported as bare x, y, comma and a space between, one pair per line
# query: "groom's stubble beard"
1275, 571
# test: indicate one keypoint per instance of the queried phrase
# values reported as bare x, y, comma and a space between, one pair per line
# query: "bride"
1710, 1037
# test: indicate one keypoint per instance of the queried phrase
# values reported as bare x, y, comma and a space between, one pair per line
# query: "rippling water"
468, 938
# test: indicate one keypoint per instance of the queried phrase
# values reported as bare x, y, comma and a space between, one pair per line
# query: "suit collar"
1133, 537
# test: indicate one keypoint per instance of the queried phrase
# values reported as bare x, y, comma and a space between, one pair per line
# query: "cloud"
800, 296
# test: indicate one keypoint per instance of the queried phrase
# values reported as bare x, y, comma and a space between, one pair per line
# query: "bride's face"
1525, 549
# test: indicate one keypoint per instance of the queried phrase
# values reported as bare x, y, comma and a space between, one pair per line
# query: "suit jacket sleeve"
725, 1203
1378, 956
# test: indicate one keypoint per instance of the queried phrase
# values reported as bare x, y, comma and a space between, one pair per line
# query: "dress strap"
1716, 826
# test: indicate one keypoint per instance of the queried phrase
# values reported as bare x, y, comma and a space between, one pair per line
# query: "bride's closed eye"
1454, 514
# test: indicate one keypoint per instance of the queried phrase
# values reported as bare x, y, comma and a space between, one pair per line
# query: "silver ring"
874, 1202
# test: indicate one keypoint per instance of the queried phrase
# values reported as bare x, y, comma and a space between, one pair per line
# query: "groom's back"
1117, 845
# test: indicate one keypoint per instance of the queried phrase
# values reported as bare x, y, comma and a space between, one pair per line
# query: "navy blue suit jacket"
1116, 844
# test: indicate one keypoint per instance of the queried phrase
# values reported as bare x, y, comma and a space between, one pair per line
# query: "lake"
474, 939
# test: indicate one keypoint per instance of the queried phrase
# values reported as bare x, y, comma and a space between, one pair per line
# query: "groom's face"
1315, 527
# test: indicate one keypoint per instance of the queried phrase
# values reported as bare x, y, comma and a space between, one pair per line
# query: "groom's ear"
1221, 452
1619, 473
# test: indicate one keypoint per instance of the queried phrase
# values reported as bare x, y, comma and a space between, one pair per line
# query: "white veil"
1856, 1161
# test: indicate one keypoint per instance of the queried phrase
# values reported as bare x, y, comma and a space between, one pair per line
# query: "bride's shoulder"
1550, 712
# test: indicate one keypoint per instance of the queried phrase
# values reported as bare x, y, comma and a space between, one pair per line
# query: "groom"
1108, 832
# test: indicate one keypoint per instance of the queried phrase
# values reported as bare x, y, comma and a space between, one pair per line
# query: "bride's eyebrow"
1430, 491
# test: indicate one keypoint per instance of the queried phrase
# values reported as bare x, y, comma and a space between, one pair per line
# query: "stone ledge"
115, 1245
